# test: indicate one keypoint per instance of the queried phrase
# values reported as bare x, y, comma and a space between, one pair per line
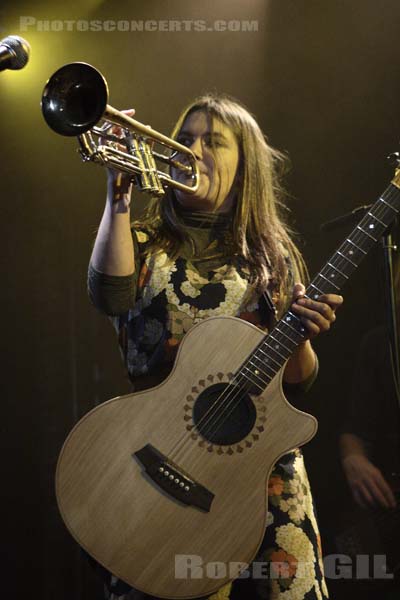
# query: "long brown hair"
259, 232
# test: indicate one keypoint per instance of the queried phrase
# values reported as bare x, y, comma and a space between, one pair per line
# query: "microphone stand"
389, 249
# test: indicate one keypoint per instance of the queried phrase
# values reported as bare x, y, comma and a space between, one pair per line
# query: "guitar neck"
271, 354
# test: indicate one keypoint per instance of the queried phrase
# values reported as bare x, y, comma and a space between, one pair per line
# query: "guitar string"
378, 206
218, 400
262, 389
246, 388
223, 408
217, 403
186, 437
219, 406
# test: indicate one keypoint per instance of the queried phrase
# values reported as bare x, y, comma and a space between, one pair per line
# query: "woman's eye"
208, 141
212, 143
185, 141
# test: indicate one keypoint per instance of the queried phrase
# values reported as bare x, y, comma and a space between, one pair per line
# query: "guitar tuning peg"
394, 158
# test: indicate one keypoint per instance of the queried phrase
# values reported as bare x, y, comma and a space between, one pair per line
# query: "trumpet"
75, 103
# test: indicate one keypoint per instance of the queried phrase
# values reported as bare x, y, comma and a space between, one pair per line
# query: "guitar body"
134, 526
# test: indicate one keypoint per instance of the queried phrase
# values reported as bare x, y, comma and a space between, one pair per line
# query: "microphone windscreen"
20, 50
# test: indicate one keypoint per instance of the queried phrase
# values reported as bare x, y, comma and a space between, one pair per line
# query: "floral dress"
151, 314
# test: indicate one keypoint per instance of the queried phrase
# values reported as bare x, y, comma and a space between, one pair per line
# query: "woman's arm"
301, 365
113, 252
111, 273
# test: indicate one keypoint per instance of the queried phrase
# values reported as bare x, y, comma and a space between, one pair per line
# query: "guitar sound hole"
223, 415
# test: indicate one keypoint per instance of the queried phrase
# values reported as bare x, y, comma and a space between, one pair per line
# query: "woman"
221, 251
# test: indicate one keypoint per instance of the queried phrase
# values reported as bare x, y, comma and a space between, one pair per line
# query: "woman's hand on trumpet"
119, 184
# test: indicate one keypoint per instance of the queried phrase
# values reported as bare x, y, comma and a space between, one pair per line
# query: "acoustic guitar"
167, 488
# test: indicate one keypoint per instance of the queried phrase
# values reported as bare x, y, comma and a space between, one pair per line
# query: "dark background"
322, 79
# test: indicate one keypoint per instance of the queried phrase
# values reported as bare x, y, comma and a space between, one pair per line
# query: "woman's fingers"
316, 314
117, 130
122, 183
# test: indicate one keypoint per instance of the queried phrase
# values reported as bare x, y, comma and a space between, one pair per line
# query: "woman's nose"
197, 148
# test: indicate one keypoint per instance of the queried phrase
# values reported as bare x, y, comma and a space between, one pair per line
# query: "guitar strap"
271, 308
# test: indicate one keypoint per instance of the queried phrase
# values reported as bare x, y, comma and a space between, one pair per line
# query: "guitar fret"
266, 366
330, 282
348, 259
286, 336
276, 347
252, 380
279, 343
289, 317
261, 388
352, 247
292, 334
258, 368
270, 358
376, 219
366, 233
389, 205
246, 383
292, 328
275, 350
358, 247
338, 270
361, 240
258, 378
316, 296
381, 212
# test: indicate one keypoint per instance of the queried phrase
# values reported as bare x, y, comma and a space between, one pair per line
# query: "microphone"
353, 216
14, 52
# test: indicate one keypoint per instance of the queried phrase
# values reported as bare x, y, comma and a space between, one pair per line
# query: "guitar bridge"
172, 480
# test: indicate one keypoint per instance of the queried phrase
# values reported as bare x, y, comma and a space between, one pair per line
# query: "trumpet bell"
74, 99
